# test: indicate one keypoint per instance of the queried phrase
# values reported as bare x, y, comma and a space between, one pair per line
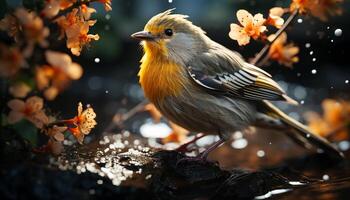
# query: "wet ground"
260, 164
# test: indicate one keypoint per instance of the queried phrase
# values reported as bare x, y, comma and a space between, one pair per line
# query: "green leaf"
27, 131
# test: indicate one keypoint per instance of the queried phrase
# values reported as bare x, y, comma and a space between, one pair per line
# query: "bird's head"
172, 36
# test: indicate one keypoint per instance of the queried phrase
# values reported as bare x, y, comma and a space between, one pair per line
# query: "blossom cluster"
34, 70
256, 26
334, 122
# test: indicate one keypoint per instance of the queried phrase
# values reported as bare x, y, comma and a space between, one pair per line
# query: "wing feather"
228, 75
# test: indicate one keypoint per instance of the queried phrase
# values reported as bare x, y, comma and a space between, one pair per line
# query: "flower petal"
35, 103
235, 32
244, 17
58, 59
16, 104
74, 71
259, 19
14, 117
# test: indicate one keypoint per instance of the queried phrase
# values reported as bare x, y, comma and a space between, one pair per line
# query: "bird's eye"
168, 32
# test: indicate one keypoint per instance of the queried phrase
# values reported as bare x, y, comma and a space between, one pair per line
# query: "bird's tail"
300, 133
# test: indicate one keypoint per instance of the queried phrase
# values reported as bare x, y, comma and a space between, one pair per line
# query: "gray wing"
223, 71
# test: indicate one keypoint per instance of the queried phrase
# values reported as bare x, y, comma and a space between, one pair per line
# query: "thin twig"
277, 34
125, 116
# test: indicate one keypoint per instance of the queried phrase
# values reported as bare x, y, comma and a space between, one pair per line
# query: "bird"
207, 88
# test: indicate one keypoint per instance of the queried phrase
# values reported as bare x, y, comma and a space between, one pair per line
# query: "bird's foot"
200, 159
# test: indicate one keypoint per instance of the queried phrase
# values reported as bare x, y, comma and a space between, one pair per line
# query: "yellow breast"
160, 77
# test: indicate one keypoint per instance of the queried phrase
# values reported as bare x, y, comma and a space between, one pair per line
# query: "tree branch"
277, 34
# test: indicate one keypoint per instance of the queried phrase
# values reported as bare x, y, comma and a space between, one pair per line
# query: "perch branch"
262, 52
125, 116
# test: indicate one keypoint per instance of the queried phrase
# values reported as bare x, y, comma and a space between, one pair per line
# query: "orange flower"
56, 77
56, 132
33, 27
275, 17
31, 109
52, 7
335, 119
11, 60
76, 29
107, 4
86, 11
78, 37
11, 25
284, 54
318, 8
250, 27
19, 90
82, 123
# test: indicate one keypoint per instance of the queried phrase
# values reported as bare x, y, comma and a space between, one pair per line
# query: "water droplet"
108, 16
170, 1
97, 60
332, 41
313, 59
311, 52
307, 45
302, 102
260, 153
300, 21
325, 177
237, 135
106, 91
239, 144
328, 27
308, 135
346, 81
344, 145
314, 71
99, 181
338, 32
298, 74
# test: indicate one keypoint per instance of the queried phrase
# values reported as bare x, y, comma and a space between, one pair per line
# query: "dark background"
111, 85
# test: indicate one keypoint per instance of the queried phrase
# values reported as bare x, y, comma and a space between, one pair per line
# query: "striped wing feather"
248, 83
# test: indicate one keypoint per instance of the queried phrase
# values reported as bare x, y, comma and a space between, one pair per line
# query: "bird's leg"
202, 157
204, 154
184, 147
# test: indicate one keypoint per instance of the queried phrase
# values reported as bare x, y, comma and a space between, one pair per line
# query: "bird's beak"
143, 35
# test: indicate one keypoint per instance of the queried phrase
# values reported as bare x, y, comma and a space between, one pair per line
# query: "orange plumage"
160, 77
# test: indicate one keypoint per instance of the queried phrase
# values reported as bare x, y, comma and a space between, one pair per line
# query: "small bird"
207, 88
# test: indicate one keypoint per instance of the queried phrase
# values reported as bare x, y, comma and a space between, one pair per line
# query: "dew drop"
170, 1
332, 41
97, 60
346, 81
239, 143
300, 21
314, 71
325, 177
311, 52
260, 153
328, 27
338, 32
108, 16
307, 45
344, 145
313, 59
106, 91
302, 102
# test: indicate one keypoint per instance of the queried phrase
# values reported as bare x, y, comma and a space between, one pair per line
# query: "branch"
277, 34
125, 116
